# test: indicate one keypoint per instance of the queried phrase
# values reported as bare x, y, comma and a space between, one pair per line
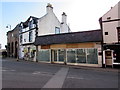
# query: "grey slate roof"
73, 37
25, 24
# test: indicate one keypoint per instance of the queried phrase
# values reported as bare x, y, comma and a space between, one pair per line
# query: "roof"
73, 37
25, 24
111, 8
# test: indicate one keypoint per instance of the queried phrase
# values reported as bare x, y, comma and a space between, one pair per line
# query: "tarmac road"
26, 74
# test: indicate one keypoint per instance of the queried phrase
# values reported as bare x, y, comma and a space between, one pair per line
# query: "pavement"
26, 74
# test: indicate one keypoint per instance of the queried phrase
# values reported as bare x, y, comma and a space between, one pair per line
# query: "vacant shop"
77, 48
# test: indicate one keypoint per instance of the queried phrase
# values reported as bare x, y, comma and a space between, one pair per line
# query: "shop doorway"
58, 55
54, 56
108, 58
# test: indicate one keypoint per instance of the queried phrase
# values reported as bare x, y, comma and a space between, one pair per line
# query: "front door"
58, 55
109, 58
54, 56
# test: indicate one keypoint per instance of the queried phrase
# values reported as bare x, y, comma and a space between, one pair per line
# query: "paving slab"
58, 79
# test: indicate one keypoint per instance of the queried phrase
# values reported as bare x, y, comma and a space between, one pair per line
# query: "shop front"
75, 48
74, 56
29, 53
112, 55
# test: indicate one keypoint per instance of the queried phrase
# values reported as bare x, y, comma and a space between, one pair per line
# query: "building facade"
76, 48
33, 27
27, 34
110, 24
49, 23
13, 42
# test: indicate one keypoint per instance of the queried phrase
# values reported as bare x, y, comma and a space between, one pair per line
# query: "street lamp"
8, 26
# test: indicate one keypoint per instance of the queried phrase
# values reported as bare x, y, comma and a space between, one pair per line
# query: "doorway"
109, 58
54, 56
58, 55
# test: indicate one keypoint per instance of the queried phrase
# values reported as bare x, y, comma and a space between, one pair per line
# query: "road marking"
58, 79
7, 70
36, 73
75, 78
42, 73
2, 60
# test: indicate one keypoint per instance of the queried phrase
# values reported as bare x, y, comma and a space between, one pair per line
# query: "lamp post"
8, 50
8, 26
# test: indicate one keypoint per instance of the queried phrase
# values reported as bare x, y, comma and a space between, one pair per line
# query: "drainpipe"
102, 46
35, 38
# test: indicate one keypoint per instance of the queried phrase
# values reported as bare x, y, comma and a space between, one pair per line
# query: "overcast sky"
82, 15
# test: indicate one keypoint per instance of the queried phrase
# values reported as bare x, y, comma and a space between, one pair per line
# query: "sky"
82, 15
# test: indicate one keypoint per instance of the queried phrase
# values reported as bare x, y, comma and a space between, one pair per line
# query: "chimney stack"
49, 8
64, 18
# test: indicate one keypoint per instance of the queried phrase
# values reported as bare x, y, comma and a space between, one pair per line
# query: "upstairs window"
108, 18
57, 30
106, 33
30, 36
30, 24
20, 38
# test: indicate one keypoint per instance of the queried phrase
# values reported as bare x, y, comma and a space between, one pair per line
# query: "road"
26, 74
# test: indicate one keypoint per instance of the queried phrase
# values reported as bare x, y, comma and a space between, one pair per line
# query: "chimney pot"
64, 14
49, 8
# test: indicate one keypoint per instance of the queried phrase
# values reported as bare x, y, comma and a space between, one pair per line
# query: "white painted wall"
111, 27
119, 12
26, 37
113, 13
48, 22
112, 36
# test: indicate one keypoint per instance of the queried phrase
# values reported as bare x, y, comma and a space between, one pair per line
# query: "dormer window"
30, 24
